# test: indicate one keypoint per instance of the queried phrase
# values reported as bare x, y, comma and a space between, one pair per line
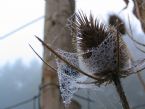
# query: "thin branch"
116, 79
139, 48
118, 53
42, 58
141, 80
135, 66
130, 35
120, 92
138, 74
23, 102
21, 27
94, 82
65, 61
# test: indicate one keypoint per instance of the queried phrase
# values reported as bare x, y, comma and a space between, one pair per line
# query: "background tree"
55, 33
141, 11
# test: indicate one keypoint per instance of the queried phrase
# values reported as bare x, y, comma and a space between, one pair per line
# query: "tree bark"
55, 33
141, 9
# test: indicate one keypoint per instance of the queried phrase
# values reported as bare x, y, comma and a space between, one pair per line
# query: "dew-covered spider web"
69, 79
102, 58
67, 76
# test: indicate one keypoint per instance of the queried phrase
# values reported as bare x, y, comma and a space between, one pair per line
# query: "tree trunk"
141, 9
56, 34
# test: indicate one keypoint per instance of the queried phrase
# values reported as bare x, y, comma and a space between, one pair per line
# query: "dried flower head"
101, 55
98, 46
90, 33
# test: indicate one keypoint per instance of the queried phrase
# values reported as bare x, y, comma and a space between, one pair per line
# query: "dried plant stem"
143, 45
65, 61
116, 79
141, 80
120, 91
42, 59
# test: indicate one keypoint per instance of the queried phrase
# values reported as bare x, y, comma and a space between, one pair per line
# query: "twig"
116, 79
42, 58
141, 80
138, 74
68, 63
120, 91
130, 35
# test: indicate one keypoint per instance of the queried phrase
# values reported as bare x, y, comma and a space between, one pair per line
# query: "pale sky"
14, 14
16, 84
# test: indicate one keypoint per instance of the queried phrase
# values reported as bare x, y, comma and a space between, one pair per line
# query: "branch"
65, 61
42, 59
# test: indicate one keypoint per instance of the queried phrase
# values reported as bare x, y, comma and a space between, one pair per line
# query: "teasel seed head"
90, 33
93, 34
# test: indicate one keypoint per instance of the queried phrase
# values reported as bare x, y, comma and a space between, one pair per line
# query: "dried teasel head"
86, 30
102, 56
98, 47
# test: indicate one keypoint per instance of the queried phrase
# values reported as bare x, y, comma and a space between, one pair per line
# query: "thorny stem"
120, 91
65, 61
118, 53
116, 79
